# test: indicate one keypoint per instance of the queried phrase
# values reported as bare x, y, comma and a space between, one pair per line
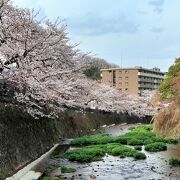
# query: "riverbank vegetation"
166, 122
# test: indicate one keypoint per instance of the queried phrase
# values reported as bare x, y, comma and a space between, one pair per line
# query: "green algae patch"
86, 154
171, 141
155, 147
50, 178
94, 147
174, 161
124, 151
139, 148
67, 169
142, 135
97, 152
93, 139
134, 142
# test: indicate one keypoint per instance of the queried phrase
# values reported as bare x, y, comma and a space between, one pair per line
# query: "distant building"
132, 80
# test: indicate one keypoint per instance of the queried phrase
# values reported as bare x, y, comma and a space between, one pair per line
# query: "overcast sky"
125, 32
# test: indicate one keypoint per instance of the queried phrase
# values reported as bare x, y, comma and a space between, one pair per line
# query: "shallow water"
113, 168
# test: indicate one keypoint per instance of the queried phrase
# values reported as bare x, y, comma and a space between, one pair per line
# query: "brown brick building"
132, 80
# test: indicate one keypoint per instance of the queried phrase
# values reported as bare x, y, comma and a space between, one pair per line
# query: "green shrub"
168, 87
155, 147
65, 169
138, 148
174, 161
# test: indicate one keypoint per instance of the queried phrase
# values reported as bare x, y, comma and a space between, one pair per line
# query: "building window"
126, 72
110, 71
126, 77
120, 83
126, 89
120, 77
120, 72
126, 83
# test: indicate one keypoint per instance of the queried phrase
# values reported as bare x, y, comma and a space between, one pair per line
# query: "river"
154, 167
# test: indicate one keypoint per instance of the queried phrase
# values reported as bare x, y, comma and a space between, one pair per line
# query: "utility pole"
121, 58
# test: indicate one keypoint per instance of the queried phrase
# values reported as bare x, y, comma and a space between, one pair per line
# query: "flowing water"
156, 165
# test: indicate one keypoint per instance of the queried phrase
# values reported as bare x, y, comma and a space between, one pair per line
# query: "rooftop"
136, 68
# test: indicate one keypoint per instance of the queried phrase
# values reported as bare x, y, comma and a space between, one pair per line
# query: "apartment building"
132, 80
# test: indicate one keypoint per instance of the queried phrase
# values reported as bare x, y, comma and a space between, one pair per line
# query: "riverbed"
155, 166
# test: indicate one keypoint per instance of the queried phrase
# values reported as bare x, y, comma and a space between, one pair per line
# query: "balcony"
147, 86
151, 75
141, 79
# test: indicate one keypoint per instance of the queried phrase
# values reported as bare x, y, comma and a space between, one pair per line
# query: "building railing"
151, 75
148, 86
150, 80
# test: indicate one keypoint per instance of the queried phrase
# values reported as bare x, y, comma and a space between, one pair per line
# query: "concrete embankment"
27, 173
23, 139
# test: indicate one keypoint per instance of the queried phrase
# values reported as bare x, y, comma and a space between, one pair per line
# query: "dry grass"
155, 99
167, 122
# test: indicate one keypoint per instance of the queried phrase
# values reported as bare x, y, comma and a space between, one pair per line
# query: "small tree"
170, 86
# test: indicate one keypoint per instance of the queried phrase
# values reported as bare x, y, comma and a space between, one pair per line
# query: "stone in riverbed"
104, 126
92, 177
56, 173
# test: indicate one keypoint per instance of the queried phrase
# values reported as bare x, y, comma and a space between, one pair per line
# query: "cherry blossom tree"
50, 67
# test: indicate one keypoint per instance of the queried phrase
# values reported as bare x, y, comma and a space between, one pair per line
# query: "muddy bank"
155, 167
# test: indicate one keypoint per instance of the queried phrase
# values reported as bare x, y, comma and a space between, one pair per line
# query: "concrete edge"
23, 172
